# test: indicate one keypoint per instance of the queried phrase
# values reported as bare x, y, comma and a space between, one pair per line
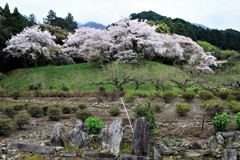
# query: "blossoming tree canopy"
31, 46
129, 40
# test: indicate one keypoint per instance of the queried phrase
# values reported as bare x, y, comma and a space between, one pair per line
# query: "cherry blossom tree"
31, 46
89, 44
130, 40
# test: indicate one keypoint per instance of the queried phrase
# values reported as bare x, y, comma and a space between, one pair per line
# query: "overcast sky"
220, 14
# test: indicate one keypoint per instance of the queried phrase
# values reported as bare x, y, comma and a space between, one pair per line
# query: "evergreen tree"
71, 24
31, 20
51, 17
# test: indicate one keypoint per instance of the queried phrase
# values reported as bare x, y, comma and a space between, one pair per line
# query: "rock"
228, 134
193, 154
46, 143
233, 145
230, 154
34, 148
112, 136
4, 157
140, 140
219, 138
98, 156
67, 153
132, 157
156, 154
165, 150
79, 137
58, 137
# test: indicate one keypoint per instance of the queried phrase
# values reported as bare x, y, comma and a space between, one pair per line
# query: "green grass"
75, 77
80, 76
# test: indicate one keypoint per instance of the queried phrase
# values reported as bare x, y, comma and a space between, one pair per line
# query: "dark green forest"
228, 39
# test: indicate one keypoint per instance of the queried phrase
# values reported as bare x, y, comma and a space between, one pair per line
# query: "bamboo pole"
127, 114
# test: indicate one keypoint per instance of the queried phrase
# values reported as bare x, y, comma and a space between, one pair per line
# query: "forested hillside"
224, 39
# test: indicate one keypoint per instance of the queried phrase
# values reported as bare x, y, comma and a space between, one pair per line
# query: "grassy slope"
75, 77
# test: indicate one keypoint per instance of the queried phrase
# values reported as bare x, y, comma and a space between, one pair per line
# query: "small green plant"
9, 111
168, 96
83, 114
35, 111
6, 127
147, 111
223, 93
221, 122
94, 125
188, 96
237, 121
22, 119
114, 110
54, 113
182, 109
204, 94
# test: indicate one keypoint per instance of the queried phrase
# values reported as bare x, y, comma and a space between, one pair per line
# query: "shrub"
19, 107
45, 110
9, 111
6, 127
223, 93
204, 94
82, 106
234, 106
129, 97
157, 108
182, 109
114, 111
66, 109
15, 95
188, 96
237, 121
168, 96
236, 95
54, 113
94, 125
21, 119
35, 111
35, 87
212, 107
65, 88
146, 111
83, 114
221, 122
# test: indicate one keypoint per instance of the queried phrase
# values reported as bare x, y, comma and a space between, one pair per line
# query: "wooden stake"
127, 114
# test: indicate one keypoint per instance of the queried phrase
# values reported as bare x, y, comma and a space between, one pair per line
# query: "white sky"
220, 14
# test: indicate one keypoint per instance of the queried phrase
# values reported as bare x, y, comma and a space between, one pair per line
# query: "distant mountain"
92, 25
201, 25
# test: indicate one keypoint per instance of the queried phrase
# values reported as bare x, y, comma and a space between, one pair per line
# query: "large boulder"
79, 137
58, 137
112, 136
140, 140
